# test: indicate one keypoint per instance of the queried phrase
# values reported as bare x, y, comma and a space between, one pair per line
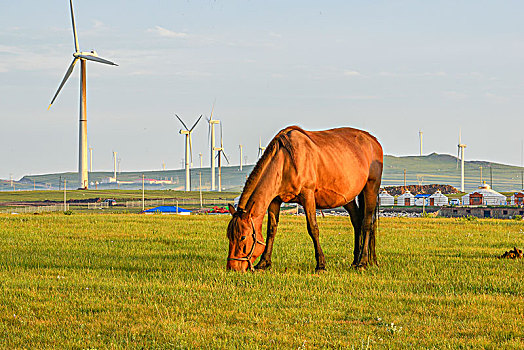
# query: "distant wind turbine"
260, 148
189, 149
240, 148
211, 133
460, 153
220, 153
83, 57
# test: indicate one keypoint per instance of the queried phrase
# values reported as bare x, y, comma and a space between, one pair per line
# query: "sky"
389, 67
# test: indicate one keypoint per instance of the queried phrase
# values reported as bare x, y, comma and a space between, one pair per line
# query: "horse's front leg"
310, 208
273, 214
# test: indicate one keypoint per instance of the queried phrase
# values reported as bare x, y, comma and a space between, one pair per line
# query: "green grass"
132, 281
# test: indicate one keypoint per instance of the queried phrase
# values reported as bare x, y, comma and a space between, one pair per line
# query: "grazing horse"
316, 169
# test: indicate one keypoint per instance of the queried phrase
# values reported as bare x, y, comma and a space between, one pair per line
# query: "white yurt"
438, 199
421, 199
484, 195
385, 199
406, 199
517, 198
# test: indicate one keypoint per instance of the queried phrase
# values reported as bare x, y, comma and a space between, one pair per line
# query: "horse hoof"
320, 270
262, 266
360, 267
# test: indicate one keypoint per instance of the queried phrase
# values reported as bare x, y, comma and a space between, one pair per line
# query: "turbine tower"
260, 148
83, 57
220, 153
240, 148
114, 164
420, 136
460, 153
211, 131
189, 149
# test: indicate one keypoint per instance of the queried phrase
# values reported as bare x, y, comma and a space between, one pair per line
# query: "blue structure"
422, 199
168, 209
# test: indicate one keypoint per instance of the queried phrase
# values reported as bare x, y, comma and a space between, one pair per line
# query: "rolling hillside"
430, 169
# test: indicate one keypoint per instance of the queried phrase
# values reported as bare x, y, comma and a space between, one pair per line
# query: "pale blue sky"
390, 67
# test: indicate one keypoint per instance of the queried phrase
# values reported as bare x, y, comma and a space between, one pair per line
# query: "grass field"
132, 281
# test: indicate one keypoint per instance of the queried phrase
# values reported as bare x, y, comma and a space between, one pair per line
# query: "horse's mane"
281, 140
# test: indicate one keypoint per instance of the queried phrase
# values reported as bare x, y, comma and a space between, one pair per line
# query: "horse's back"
335, 163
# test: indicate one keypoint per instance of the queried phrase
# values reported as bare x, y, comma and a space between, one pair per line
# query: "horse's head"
244, 246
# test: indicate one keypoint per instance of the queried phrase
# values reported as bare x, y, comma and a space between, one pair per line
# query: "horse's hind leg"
356, 220
308, 202
272, 222
367, 253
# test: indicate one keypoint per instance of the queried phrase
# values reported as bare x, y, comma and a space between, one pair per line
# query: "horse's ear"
232, 209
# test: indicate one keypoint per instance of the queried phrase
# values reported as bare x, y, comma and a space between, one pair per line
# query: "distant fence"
128, 204
101, 205
182, 202
36, 209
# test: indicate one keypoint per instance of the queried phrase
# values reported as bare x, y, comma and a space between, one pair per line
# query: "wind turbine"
260, 148
114, 164
220, 153
460, 152
211, 131
240, 148
189, 149
83, 57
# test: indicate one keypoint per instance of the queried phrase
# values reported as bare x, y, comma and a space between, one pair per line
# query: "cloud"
496, 98
166, 33
275, 35
351, 73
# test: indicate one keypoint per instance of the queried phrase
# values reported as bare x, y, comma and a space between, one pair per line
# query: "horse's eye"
242, 238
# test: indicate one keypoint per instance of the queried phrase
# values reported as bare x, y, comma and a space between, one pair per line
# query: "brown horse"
316, 169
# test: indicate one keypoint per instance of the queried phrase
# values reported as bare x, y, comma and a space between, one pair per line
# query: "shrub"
68, 212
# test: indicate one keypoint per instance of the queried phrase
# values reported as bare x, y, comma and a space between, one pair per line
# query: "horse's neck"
265, 191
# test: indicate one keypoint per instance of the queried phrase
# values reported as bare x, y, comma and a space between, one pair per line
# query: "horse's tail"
374, 231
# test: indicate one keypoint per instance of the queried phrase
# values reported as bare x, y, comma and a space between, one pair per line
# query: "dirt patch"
513, 254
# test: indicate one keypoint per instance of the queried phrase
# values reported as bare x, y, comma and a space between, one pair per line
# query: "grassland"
132, 281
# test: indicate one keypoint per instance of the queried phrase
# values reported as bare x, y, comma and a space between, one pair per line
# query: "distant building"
484, 195
438, 199
518, 198
421, 199
406, 199
385, 199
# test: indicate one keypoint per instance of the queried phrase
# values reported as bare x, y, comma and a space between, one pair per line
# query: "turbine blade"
67, 75
212, 109
74, 25
221, 144
184, 124
224, 153
97, 59
195, 123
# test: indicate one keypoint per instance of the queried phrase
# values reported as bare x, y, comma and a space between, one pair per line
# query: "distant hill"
430, 169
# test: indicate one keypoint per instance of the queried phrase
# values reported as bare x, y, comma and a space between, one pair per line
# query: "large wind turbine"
83, 57
220, 153
189, 149
460, 153
211, 131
